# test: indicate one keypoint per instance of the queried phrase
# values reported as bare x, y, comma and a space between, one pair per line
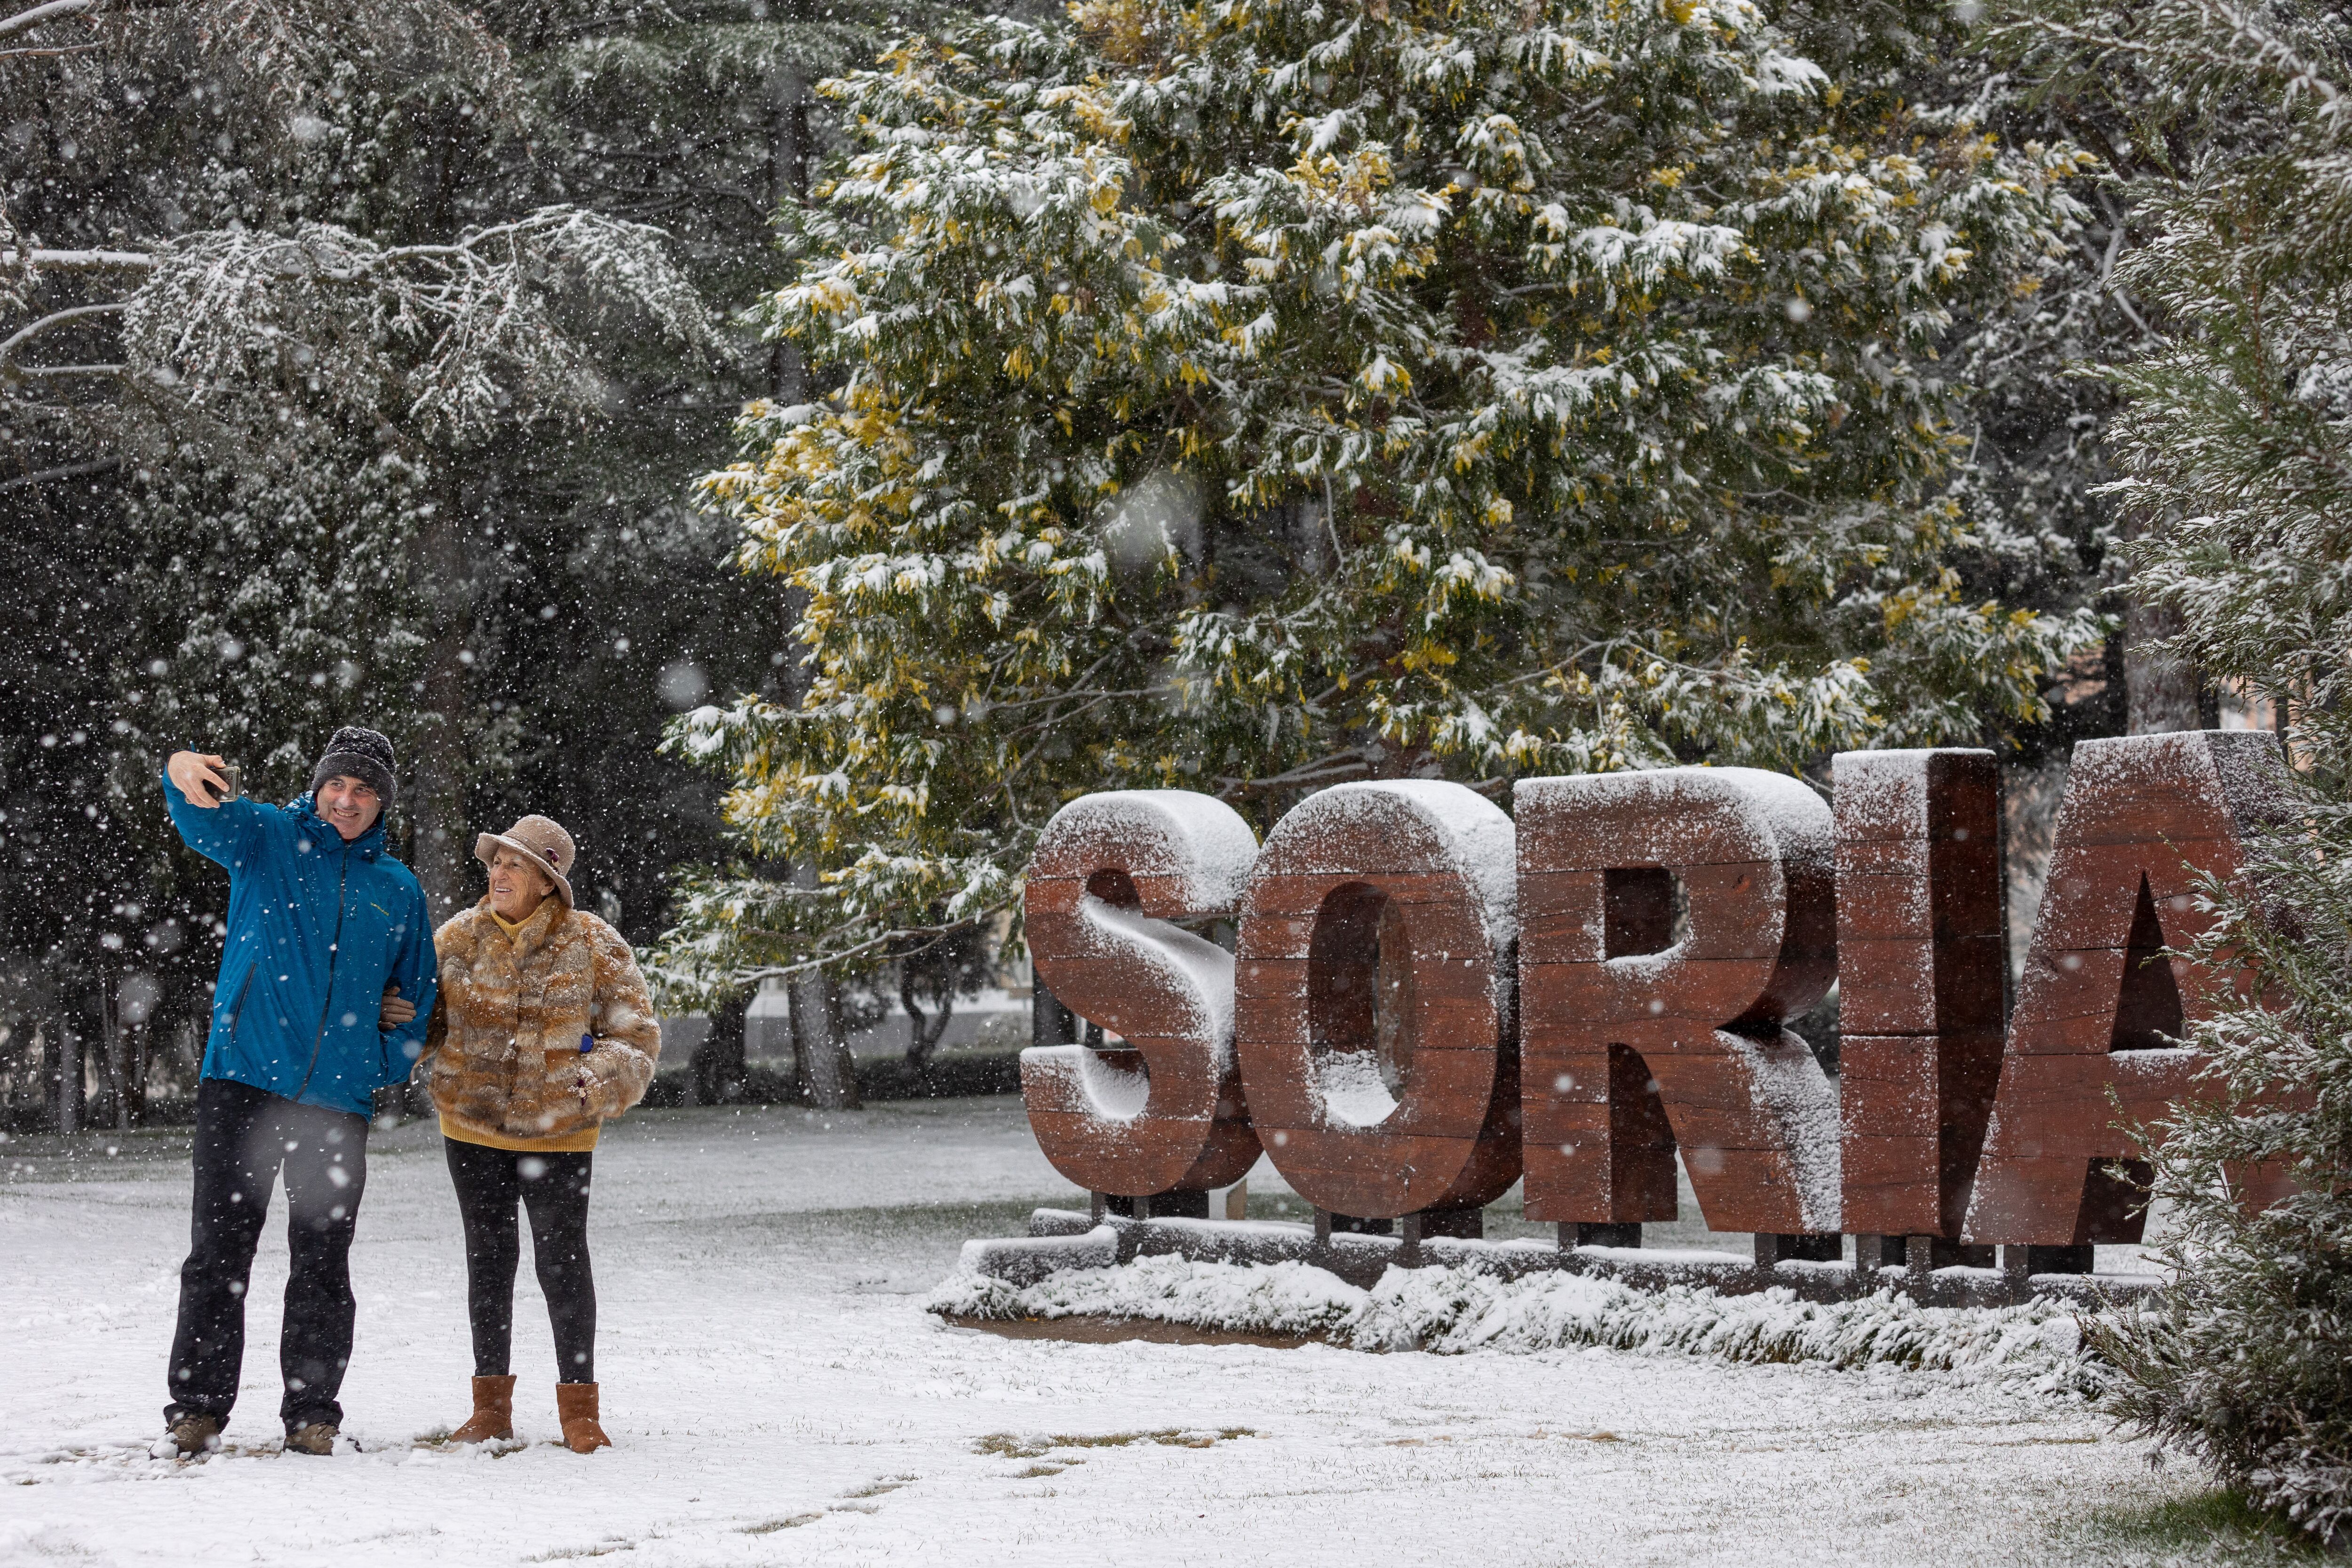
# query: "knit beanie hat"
362, 755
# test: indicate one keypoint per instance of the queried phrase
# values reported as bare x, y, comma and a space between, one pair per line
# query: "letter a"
2142, 816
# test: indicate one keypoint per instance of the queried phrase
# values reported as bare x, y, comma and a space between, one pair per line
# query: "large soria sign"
1429, 998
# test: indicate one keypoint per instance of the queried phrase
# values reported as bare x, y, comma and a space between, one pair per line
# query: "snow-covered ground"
777, 1396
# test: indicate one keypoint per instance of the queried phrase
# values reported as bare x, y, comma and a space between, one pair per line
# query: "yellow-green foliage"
1251, 395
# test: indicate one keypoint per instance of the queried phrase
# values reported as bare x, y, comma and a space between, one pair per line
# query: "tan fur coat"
504, 1044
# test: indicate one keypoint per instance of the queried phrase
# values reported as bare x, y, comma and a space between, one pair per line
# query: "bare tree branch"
70, 471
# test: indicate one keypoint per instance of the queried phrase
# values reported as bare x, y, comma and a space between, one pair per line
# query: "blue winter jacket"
317, 928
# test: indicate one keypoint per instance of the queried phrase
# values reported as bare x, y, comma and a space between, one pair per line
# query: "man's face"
349, 805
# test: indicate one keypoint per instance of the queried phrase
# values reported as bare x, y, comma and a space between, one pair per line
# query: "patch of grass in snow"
2218, 1525
566, 1553
1011, 1445
875, 1489
774, 1525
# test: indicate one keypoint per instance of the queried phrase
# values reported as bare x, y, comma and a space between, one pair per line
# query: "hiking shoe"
318, 1439
189, 1435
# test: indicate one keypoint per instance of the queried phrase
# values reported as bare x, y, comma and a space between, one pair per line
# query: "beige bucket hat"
540, 840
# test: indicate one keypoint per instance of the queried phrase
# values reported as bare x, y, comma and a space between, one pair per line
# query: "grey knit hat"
362, 755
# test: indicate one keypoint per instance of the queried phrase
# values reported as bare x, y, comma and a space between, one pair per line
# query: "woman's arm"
616, 1073
436, 1034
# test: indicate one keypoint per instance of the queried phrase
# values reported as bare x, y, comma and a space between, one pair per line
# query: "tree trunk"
2165, 693
65, 1076
819, 1040
718, 1069
792, 1030
923, 1034
117, 1046
822, 1064
441, 772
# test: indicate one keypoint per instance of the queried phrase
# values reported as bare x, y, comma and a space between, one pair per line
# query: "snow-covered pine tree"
271, 322
1248, 398
2236, 446
702, 121
289, 325
566, 561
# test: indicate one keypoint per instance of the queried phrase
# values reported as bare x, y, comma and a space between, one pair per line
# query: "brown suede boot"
493, 1417
575, 1407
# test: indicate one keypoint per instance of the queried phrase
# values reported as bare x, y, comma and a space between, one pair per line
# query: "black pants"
243, 1135
554, 1188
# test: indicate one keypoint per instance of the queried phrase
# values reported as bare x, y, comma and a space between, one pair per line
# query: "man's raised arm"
193, 788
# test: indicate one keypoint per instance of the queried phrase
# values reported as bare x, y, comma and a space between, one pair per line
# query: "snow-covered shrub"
2236, 448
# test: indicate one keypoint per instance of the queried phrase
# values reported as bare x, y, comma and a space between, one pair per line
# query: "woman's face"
516, 886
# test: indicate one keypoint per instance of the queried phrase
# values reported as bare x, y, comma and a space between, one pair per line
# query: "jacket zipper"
334, 955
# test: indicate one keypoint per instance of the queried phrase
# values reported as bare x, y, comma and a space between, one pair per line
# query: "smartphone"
232, 781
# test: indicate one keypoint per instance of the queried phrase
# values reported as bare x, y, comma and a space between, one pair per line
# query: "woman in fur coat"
542, 1030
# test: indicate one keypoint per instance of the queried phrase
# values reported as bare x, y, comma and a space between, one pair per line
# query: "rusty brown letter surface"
1110, 873
1672, 921
1375, 988
1921, 982
2098, 1004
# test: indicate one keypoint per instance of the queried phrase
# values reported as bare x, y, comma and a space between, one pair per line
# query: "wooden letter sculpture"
2098, 1003
1635, 1042
1920, 961
1379, 924
1111, 872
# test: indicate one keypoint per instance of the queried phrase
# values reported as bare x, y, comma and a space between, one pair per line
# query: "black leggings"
554, 1188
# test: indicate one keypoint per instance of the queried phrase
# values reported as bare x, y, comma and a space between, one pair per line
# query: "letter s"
1111, 872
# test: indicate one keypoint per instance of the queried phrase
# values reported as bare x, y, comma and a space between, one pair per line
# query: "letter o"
1421, 862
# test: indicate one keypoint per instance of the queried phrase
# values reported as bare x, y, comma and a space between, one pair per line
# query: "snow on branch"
78, 260
16, 265
55, 319
286, 46
283, 50
40, 14
447, 339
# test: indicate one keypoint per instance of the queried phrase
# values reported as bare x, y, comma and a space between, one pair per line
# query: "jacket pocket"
236, 1007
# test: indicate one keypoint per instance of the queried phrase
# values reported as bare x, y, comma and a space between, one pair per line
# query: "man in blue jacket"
326, 984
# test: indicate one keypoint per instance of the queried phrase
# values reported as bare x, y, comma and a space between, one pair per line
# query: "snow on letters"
1631, 947
1112, 874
